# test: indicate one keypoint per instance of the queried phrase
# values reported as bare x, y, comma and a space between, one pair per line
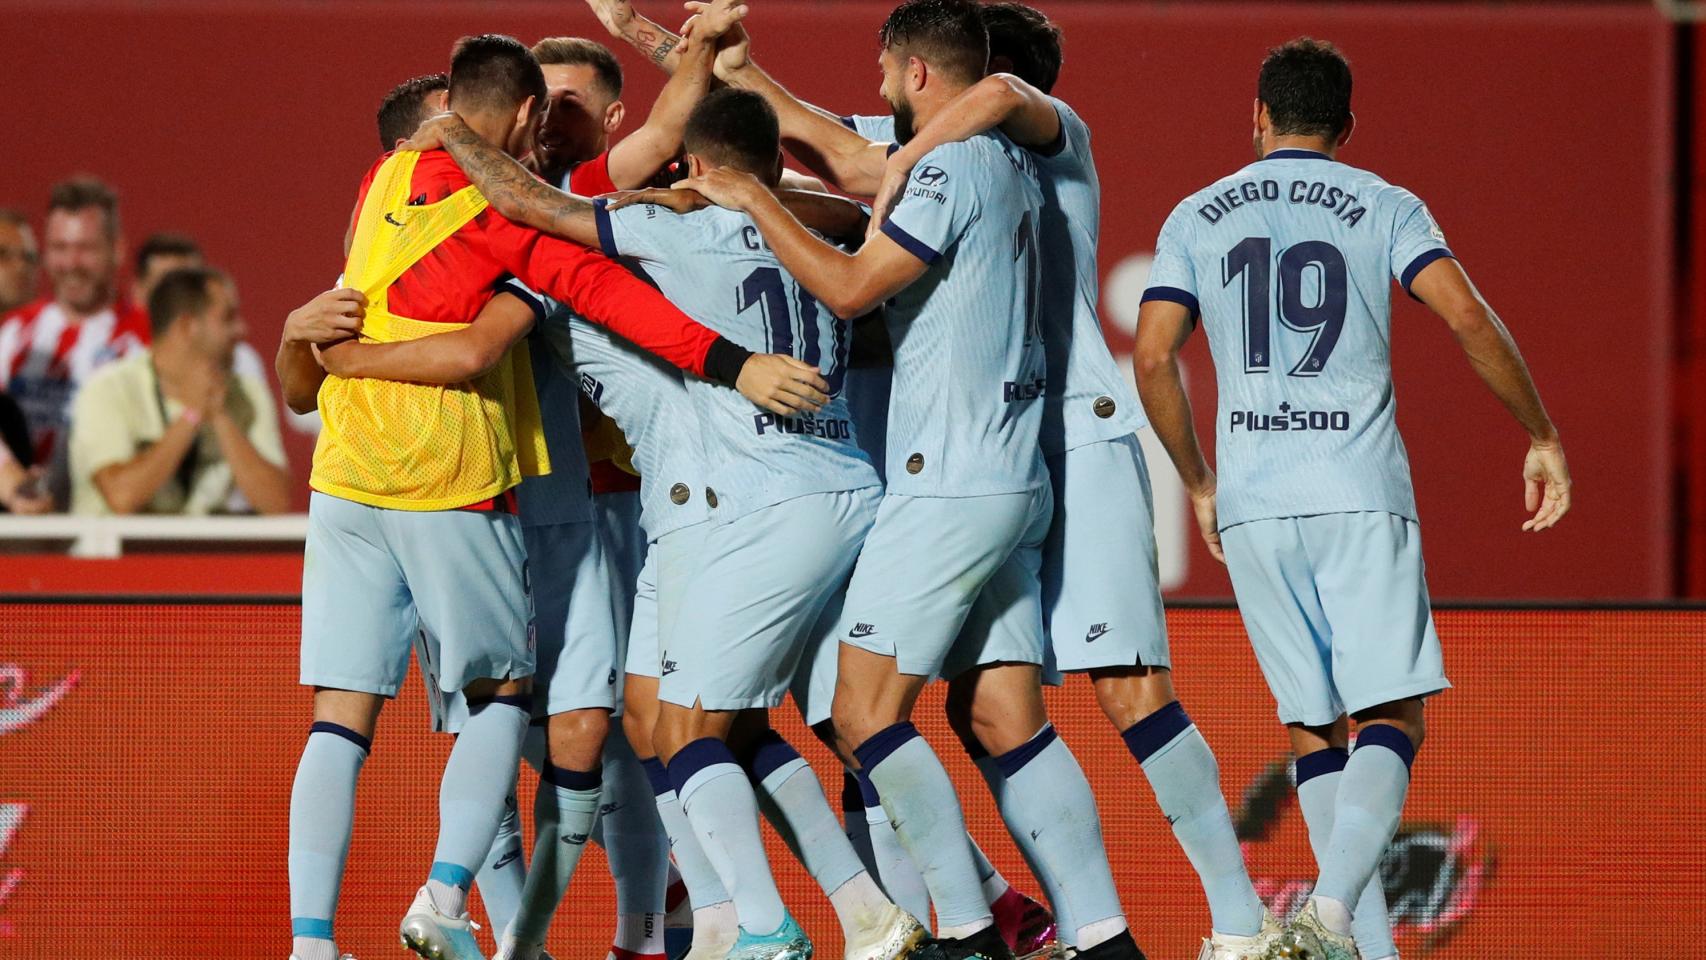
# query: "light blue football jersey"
648, 401
564, 494
1088, 398
969, 373
1290, 263
713, 264
871, 127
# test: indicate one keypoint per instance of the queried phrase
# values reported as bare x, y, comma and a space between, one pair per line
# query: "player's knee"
577, 737
350, 709
1406, 715
958, 709
1129, 694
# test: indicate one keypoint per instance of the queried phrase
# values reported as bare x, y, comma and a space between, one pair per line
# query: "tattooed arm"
637, 158
509, 187
658, 44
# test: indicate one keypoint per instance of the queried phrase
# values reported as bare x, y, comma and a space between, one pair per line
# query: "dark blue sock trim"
879, 745
696, 756
868, 791
1320, 763
520, 701
659, 777
1156, 730
852, 798
1015, 759
452, 874
311, 927
339, 730
768, 755
1390, 737
572, 779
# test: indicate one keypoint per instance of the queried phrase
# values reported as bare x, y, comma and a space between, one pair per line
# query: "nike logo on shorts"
861, 630
1097, 632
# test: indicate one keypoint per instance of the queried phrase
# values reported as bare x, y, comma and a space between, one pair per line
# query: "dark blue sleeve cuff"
1409, 275
518, 290
1184, 298
848, 123
894, 148
606, 234
910, 243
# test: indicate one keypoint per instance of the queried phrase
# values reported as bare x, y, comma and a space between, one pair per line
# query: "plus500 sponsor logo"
1288, 420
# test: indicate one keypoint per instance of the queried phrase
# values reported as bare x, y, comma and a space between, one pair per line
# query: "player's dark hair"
1306, 85
404, 108
735, 128
494, 72
165, 245
181, 293
1024, 41
83, 193
14, 217
948, 34
578, 52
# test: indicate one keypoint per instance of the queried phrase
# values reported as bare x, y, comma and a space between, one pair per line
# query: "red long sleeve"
595, 287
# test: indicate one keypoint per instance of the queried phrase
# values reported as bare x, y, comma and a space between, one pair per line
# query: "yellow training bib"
413, 446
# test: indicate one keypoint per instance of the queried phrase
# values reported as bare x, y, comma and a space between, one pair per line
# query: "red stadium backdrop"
1540, 135
146, 755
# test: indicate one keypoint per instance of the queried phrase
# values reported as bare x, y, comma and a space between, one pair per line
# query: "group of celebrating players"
674, 453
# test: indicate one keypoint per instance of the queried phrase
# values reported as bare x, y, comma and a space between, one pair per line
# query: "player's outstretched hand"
1208, 519
782, 385
332, 316
1546, 484
713, 19
724, 187
430, 134
681, 201
616, 15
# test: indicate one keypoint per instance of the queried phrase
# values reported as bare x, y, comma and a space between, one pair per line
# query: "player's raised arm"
1025, 114
655, 42
817, 137
637, 158
328, 318
848, 284
1163, 326
1445, 288
512, 190
454, 356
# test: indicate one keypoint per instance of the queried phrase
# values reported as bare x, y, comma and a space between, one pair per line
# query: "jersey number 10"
764, 285
1253, 259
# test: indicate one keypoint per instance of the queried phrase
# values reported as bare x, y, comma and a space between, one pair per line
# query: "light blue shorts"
754, 603
1336, 606
1101, 575
670, 562
371, 578
938, 573
580, 652
624, 548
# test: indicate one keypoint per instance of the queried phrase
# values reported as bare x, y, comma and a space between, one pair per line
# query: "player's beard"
903, 129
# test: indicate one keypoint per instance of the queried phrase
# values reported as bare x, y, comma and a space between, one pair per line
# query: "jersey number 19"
1324, 319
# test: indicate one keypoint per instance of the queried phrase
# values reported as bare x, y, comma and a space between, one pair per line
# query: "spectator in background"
159, 255
22, 487
18, 258
51, 347
174, 430
162, 253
